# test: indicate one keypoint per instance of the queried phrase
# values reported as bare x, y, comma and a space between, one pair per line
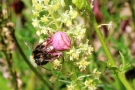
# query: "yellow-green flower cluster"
46, 15
79, 54
96, 74
71, 87
87, 83
50, 16
90, 85
53, 79
83, 64
56, 64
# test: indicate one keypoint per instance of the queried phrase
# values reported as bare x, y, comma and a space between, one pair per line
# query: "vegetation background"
16, 73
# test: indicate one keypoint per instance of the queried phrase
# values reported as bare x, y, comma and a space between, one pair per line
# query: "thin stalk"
14, 79
132, 2
106, 49
124, 81
75, 78
54, 20
29, 64
99, 34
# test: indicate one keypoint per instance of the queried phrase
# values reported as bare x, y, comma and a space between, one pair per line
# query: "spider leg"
57, 55
46, 68
62, 56
49, 41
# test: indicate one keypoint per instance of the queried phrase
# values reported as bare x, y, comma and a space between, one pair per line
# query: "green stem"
99, 34
106, 49
29, 64
14, 79
124, 81
54, 20
131, 4
75, 78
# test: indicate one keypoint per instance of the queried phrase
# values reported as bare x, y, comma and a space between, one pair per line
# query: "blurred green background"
120, 38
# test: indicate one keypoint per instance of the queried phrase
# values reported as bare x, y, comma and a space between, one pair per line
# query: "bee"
45, 52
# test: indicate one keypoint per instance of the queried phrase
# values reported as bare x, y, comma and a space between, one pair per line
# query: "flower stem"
14, 79
99, 34
106, 49
75, 78
54, 20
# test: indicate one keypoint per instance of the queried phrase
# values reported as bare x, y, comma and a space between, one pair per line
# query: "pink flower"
61, 41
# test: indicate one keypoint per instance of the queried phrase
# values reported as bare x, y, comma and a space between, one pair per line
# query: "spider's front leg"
57, 55
48, 41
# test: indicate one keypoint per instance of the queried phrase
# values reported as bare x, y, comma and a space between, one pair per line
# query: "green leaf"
79, 3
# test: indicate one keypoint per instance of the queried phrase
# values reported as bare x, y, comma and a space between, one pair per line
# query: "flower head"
83, 64
87, 83
53, 79
56, 64
90, 84
96, 74
71, 87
